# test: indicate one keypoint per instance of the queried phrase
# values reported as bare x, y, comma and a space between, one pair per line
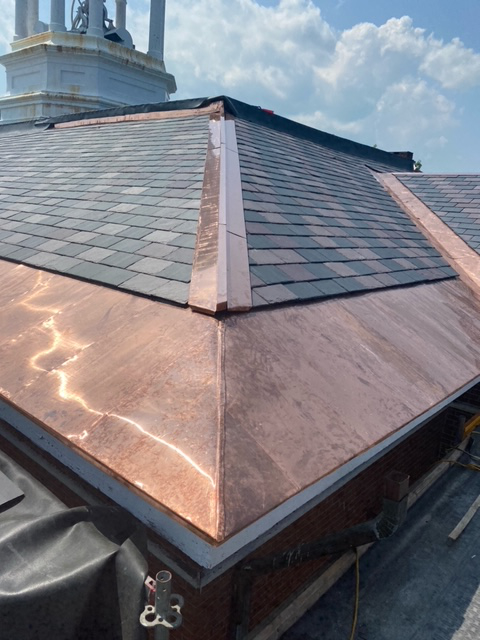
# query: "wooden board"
455, 534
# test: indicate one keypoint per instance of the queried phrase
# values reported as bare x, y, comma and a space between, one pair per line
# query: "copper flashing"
215, 107
208, 286
239, 291
459, 255
312, 388
218, 423
129, 384
221, 275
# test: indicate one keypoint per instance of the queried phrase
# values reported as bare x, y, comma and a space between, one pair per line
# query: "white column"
157, 29
57, 15
121, 14
95, 18
32, 16
20, 19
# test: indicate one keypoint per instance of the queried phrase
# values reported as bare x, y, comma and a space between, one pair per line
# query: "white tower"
53, 70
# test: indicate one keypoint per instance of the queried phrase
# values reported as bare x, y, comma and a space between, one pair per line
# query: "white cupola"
92, 64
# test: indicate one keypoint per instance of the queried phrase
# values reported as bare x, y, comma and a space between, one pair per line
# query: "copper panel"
309, 388
214, 107
460, 256
129, 383
218, 422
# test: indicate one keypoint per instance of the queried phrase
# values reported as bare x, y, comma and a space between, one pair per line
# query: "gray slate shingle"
105, 202
319, 224
455, 199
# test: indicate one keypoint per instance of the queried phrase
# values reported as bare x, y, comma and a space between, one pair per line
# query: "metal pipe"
162, 602
166, 614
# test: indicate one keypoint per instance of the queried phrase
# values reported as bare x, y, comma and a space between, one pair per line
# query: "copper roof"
219, 421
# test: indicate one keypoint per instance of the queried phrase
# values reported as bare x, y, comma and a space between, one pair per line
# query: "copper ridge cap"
220, 273
214, 107
462, 258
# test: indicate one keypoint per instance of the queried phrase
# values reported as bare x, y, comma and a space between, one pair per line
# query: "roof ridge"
220, 274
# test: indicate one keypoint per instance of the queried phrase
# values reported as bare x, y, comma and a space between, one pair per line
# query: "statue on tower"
80, 19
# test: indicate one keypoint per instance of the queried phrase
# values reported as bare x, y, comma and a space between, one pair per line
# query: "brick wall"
207, 612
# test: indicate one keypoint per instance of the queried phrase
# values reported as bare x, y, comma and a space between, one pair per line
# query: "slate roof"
319, 224
116, 204
455, 199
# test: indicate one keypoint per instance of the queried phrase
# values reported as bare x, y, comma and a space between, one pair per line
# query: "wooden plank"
455, 534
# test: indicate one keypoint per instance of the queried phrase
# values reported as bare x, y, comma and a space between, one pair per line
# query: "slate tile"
275, 293
95, 254
164, 224
18, 253
16, 238
112, 229
303, 290
128, 245
386, 279
32, 242
7, 249
340, 269
173, 290
40, 258
86, 270
178, 272
120, 259
71, 249
152, 266
113, 275
163, 237
52, 245
81, 236
136, 233
61, 263
352, 284
296, 273
182, 255
103, 241
320, 270
268, 274
142, 283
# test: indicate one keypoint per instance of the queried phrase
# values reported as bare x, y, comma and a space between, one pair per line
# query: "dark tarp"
67, 573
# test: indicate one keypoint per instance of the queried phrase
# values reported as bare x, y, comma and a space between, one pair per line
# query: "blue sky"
402, 75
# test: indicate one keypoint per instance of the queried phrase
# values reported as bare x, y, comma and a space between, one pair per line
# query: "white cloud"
452, 64
6, 25
410, 109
